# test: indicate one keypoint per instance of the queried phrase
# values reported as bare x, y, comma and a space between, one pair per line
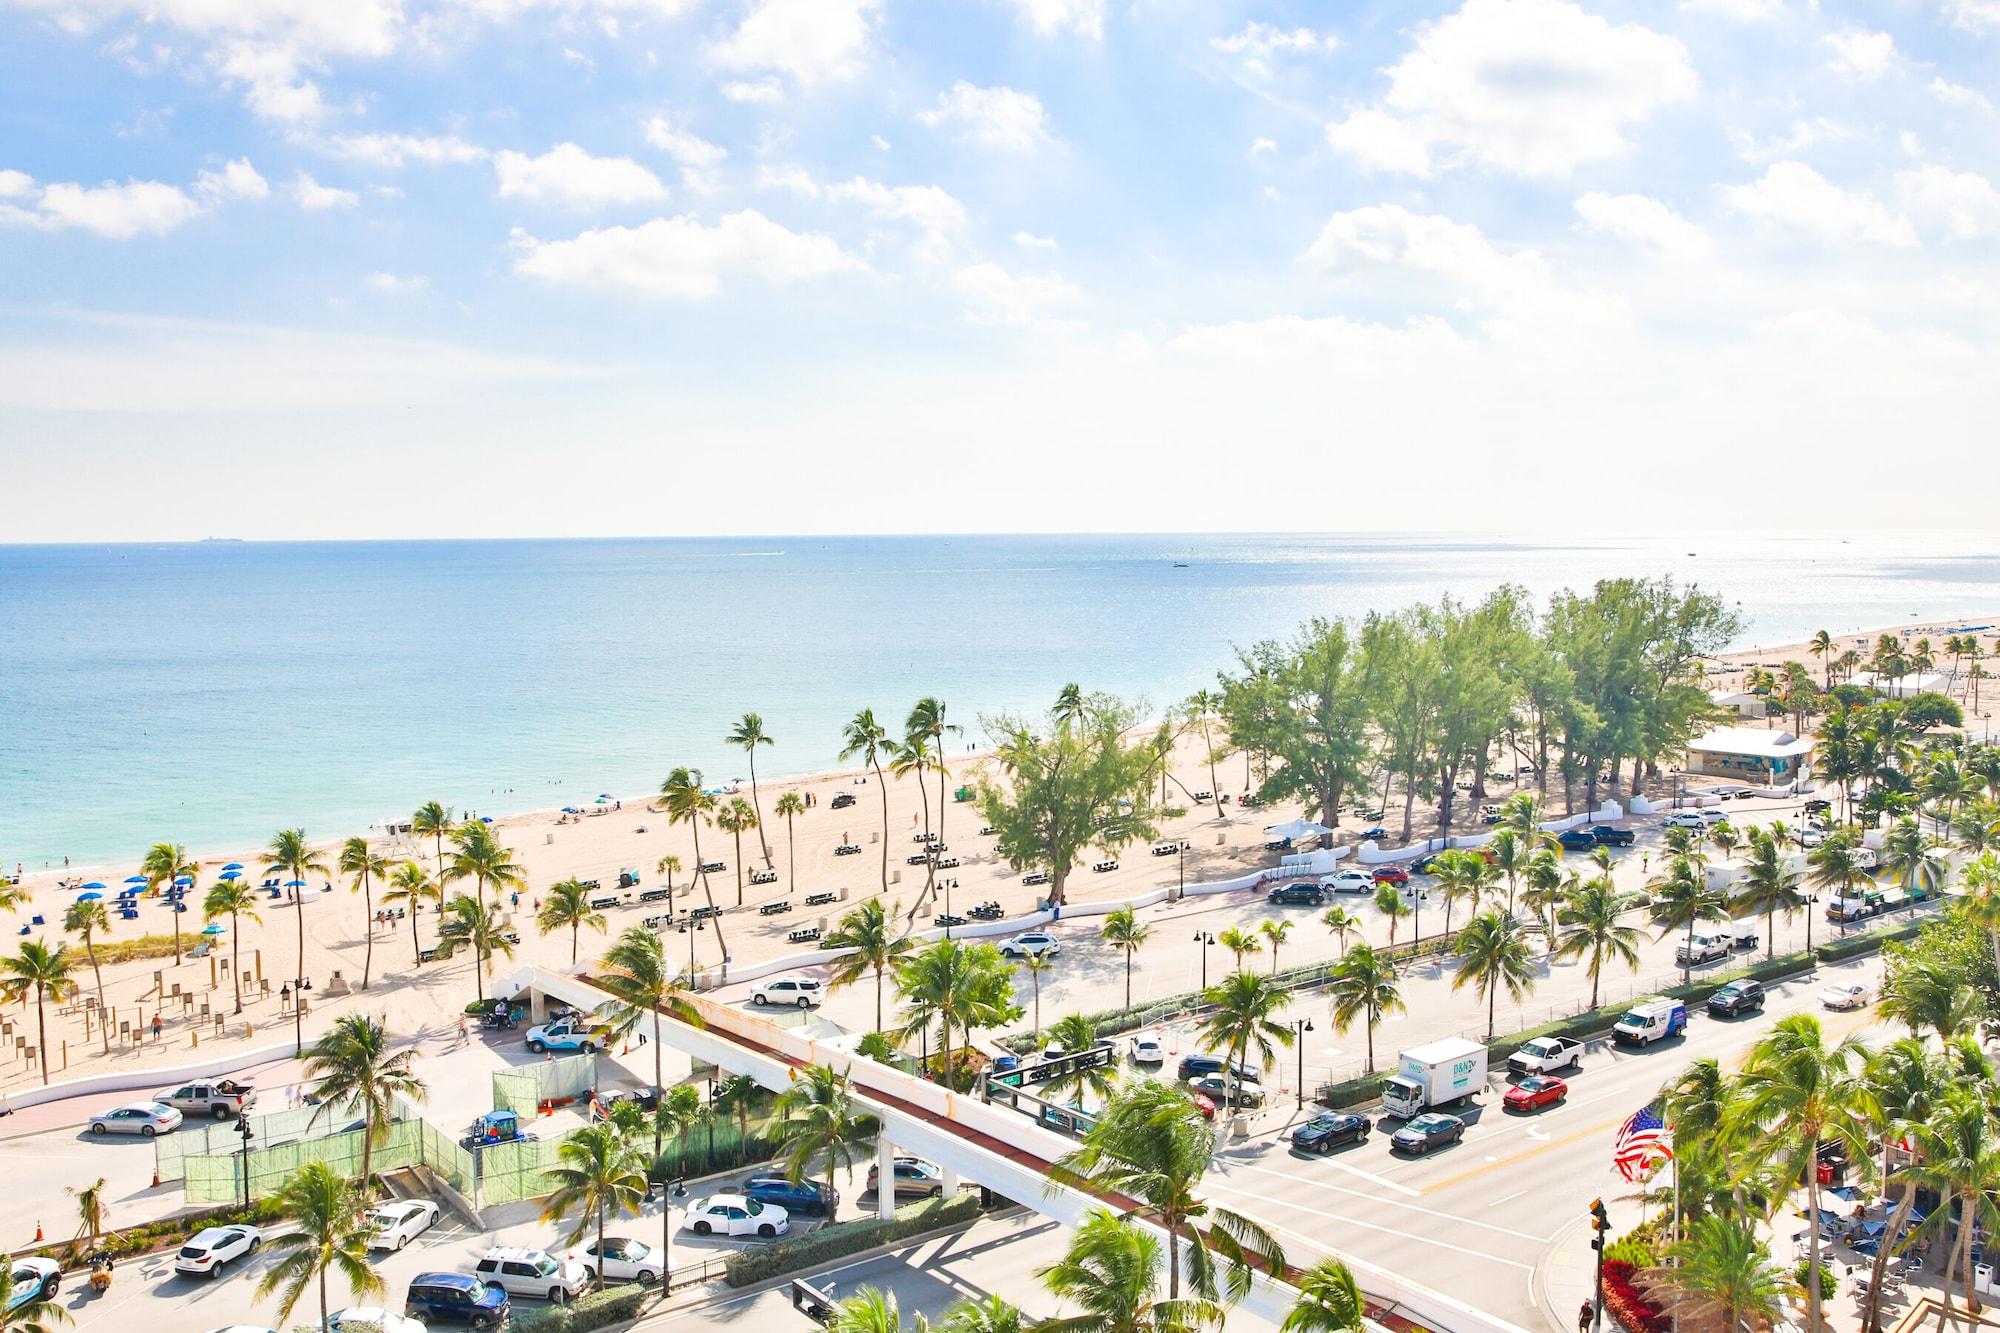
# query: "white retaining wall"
126, 1080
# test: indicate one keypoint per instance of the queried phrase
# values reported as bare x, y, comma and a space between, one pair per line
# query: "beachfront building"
1743, 705
1902, 687
1753, 754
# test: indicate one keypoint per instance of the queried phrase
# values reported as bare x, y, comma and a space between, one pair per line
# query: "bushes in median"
844, 1238
596, 1309
167, 1233
1624, 1303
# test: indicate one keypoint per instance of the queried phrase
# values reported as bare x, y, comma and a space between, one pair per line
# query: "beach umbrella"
93, 885
486, 819
135, 879
183, 882
234, 865
295, 884
217, 929
86, 897
571, 810
230, 874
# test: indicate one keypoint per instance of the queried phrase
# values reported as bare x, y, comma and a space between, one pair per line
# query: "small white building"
1745, 705
1753, 754
1902, 687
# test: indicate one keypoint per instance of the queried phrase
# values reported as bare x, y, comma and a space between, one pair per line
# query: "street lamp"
1180, 860
1301, 1026
1204, 939
243, 1128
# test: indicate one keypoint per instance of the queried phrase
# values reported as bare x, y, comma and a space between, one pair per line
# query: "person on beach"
464, 1030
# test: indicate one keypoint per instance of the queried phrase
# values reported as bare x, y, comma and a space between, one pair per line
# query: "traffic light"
1600, 1224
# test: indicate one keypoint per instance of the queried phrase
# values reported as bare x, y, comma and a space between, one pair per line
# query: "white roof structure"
1762, 741
1297, 829
1901, 687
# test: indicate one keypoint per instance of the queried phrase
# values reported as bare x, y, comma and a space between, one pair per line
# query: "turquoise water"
211, 693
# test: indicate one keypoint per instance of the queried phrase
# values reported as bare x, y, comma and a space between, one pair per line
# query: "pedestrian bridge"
968, 1138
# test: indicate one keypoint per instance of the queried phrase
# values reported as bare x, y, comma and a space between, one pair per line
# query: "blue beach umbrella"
234, 865
217, 929
230, 874
486, 819
183, 882
295, 884
93, 885
86, 897
135, 879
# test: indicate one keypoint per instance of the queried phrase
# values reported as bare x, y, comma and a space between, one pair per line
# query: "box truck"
1437, 1074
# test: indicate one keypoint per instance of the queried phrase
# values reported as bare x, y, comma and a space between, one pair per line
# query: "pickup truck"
1607, 836
1703, 946
569, 1034
1546, 1055
222, 1099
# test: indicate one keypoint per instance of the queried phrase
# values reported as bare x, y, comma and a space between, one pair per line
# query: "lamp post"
1180, 860
1204, 939
243, 1128
711, 1119
1301, 1026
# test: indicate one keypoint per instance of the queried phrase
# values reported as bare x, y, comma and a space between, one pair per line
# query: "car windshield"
545, 1267
755, 1207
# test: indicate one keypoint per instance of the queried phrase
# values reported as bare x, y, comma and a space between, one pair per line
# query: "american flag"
1642, 1144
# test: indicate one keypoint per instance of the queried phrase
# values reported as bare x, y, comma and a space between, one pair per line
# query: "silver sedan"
147, 1118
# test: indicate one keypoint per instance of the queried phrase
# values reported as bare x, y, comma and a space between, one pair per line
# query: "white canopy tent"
1297, 830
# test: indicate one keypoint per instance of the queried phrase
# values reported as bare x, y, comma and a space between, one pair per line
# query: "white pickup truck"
220, 1099
1546, 1055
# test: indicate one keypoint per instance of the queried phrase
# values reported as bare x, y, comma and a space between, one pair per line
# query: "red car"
1204, 1105
1532, 1094
1391, 875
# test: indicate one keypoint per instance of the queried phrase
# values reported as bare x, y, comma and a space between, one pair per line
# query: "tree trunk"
235, 966
738, 835
1871, 1310
368, 906
659, 1088
757, 804
883, 787
707, 894
299, 976
416, 945
41, 1035
1812, 1253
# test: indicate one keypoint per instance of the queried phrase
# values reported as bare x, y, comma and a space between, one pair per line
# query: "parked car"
208, 1250
1039, 943
1300, 894
914, 1176
622, 1260
375, 1319
734, 1215
1845, 995
1348, 881
1423, 865
1812, 837
1202, 1104
519, 1271
1222, 1090
1329, 1129
1577, 840
1712, 818
219, 1099
1738, 997
456, 1298
841, 800
799, 992
1533, 1093
394, 1225
1684, 819
806, 1198
1148, 1049
146, 1118
1607, 836
1433, 1129
1201, 1062
1391, 875
1818, 806
34, 1280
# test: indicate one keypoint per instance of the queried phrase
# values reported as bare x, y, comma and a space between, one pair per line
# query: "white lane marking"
1441, 1215
1389, 1231
1505, 1197
1355, 1171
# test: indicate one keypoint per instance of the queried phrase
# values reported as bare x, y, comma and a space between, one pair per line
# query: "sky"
451, 268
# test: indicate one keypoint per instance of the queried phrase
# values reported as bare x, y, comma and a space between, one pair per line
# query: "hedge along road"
1475, 1219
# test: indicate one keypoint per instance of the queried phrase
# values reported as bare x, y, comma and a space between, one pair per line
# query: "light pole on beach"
1180, 857
1204, 939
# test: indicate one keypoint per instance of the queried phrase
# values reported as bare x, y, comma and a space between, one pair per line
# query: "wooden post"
258, 955
211, 972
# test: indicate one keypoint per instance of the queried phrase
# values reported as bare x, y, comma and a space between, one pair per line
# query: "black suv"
1738, 997
1194, 1066
1310, 894
1608, 836
1328, 1130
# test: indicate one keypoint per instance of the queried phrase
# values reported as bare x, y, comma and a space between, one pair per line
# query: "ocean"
211, 693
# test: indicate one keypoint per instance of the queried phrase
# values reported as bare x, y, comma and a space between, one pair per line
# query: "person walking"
1585, 1317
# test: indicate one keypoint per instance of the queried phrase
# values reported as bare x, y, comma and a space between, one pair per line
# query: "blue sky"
279, 268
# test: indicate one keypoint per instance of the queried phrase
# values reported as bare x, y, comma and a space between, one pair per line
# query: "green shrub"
844, 1238
1630, 1250
165, 1234
613, 1305
1827, 1283
1833, 951
540, 1319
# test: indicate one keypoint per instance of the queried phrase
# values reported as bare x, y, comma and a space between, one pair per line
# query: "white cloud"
878, 143
568, 177
1261, 145
270, 76
810, 40
1954, 94
1964, 203
1860, 54
679, 258
1027, 240
310, 195
1263, 40
795, 179
697, 157
993, 295
16, 184
237, 180
933, 209
393, 284
1794, 196
1742, 11
756, 91
1976, 15
997, 117
396, 150
1049, 17
1802, 134
1529, 87
1645, 222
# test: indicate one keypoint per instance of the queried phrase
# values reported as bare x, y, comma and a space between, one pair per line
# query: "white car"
804, 992
1148, 1049
34, 1280
734, 1215
1684, 819
1038, 943
371, 1319
1845, 995
147, 1118
208, 1250
1812, 837
1348, 881
1713, 817
525, 1272
394, 1225
623, 1260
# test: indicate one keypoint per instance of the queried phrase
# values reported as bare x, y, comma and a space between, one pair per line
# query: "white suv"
1037, 942
804, 992
524, 1272
1349, 881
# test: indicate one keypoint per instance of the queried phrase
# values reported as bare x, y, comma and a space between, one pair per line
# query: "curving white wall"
152, 1079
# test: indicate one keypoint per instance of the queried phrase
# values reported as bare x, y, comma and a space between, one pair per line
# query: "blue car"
806, 1197
457, 1298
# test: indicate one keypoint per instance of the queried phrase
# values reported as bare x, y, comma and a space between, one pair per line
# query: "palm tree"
1821, 646
957, 985
1960, 1160
1274, 931
1492, 955
927, 719
747, 735
870, 945
669, 865
1240, 943
1768, 886
433, 821
686, 803
44, 972
871, 1310
470, 924
1034, 964
866, 739
1342, 923
1548, 886
1111, 1273
164, 863
354, 1070
1980, 878
233, 898
1363, 984
1722, 1276
1795, 1093
329, 1230
910, 757
1075, 1032
290, 854
681, 1112
1591, 925
1906, 1083
987, 1314
87, 917
789, 805
89, 1209
366, 867
1389, 902
1462, 877
818, 1117
1835, 864
737, 818
478, 856
1330, 1301
568, 905
1724, 839
597, 1173
1511, 855
1152, 1146
1906, 854
410, 888
735, 1096
1241, 1021
1123, 930
1681, 900
1203, 712
636, 971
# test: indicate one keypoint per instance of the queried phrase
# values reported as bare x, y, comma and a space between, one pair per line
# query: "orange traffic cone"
38, 1230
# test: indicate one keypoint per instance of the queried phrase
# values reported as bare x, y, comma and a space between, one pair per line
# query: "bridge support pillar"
885, 1178
950, 1183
